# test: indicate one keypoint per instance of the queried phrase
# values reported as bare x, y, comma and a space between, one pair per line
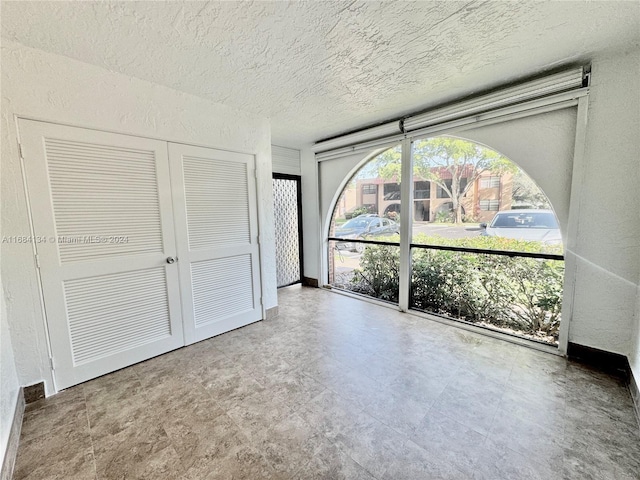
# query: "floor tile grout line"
91, 439
249, 441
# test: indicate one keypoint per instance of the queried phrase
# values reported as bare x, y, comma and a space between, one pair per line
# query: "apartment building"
489, 194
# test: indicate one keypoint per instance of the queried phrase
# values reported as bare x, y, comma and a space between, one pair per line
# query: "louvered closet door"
101, 205
217, 232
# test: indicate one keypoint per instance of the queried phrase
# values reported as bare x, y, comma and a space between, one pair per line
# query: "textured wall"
609, 225
55, 88
9, 384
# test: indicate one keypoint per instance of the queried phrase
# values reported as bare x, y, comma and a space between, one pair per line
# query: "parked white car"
529, 225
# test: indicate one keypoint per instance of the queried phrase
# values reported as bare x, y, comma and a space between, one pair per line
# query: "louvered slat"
221, 288
217, 202
117, 312
103, 191
285, 160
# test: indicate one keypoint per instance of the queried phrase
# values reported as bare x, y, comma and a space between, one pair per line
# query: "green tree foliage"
526, 193
441, 159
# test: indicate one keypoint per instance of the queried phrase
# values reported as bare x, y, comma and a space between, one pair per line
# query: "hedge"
515, 293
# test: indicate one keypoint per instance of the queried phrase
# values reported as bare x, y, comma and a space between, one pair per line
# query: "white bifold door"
217, 229
142, 246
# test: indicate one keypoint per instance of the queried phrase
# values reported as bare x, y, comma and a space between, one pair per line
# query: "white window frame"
490, 182
489, 205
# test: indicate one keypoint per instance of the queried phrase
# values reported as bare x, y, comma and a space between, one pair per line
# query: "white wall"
9, 384
608, 239
55, 88
634, 357
310, 213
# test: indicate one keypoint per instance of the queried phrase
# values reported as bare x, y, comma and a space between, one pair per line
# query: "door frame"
298, 180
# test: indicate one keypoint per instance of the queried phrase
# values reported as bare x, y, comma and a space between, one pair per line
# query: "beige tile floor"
337, 388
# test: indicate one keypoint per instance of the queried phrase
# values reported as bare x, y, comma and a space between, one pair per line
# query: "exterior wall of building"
427, 209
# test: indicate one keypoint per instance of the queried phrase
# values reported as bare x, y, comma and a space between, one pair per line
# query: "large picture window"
485, 245
479, 240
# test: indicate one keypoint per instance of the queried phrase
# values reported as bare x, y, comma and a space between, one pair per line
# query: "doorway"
287, 207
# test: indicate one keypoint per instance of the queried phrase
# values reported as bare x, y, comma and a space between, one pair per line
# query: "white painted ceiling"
317, 69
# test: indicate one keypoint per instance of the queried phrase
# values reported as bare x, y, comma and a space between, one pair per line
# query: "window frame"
366, 187
364, 150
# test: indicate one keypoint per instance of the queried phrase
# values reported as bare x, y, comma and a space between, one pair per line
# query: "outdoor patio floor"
338, 388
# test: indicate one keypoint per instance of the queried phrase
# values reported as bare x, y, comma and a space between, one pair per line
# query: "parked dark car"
362, 227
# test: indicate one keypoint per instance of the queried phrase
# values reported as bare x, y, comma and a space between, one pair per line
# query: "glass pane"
516, 295
373, 272
368, 210
369, 206
468, 195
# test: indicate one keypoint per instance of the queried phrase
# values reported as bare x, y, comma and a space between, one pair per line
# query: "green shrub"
444, 217
379, 273
360, 211
519, 293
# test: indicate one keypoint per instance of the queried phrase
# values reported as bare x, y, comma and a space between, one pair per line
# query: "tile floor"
337, 388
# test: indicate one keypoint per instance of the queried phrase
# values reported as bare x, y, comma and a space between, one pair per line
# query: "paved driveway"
447, 230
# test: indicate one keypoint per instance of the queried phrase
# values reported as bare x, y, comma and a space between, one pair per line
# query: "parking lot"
448, 230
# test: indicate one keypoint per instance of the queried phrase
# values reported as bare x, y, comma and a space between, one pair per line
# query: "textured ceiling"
317, 69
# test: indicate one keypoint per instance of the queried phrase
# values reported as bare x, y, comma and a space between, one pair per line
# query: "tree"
446, 161
527, 193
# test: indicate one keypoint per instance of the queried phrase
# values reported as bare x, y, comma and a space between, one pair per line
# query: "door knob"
171, 259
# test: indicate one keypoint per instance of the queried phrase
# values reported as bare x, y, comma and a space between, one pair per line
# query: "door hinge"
37, 260
20, 150
51, 363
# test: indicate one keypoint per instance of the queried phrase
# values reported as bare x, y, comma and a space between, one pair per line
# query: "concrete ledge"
14, 439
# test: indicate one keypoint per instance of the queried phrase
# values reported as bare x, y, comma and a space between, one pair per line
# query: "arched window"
485, 246
367, 212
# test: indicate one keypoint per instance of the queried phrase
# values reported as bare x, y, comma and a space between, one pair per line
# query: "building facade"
489, 193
